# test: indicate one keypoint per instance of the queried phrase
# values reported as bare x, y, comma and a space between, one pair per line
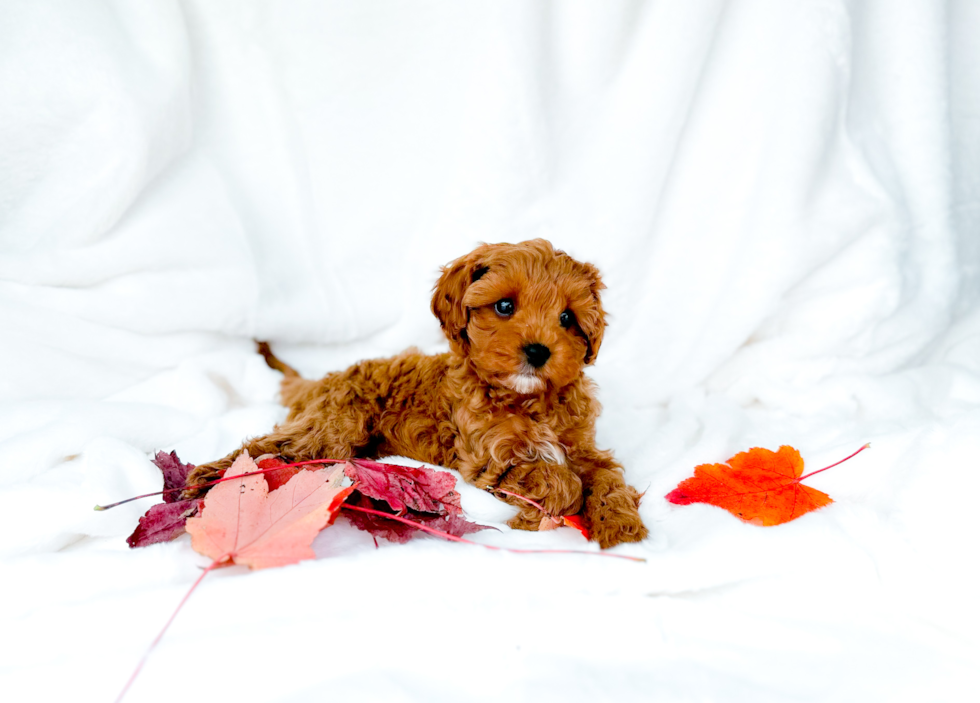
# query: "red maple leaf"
243, 522
402, 531
415, 488
758, 486
174, 474
424, 496
165, 521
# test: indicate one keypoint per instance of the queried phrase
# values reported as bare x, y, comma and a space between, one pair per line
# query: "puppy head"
526, 315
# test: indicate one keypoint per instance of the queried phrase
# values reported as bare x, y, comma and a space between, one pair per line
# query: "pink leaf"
243, 522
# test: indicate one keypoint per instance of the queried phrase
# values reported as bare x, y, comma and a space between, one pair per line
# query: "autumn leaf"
406, 487
243, 522
576, 522
174, 474
401, 532
165, 521
759, 486
424, 496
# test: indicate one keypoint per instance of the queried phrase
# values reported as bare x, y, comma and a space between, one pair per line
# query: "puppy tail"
273, 362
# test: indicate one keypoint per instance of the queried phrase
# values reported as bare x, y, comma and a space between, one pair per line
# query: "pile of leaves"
387, 500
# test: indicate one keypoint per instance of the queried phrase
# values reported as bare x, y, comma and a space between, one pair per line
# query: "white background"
783, 198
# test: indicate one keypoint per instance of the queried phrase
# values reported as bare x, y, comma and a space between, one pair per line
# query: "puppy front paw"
613, 517
555, 487
529, 518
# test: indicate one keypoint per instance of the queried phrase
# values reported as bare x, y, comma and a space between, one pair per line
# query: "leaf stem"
219, 480
216, 563
454, 538
866, 446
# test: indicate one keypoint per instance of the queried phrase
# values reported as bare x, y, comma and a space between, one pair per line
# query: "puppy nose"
537, 354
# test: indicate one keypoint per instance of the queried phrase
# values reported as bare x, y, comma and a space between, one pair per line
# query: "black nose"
537, 354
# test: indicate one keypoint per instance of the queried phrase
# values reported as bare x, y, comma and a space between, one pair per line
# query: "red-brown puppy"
508, 406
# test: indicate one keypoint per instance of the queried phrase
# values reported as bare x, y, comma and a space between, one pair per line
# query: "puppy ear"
447, 296
592, 320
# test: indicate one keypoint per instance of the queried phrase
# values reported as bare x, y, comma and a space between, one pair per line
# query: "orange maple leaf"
758, 486
243, 522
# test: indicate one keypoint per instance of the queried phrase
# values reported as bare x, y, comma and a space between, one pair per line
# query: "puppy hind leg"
272, 443
295, 392
338, 432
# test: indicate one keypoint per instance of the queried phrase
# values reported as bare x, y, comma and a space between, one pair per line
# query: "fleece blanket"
783, 198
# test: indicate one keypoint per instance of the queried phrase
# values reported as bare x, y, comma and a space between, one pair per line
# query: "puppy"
508, 406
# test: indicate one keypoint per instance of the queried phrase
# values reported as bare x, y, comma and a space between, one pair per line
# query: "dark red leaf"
406, 488
174, 474
399, 532
164, 522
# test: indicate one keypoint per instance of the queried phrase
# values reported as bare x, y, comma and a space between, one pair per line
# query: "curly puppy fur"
508, 406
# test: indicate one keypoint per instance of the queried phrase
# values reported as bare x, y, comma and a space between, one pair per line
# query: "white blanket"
783, 198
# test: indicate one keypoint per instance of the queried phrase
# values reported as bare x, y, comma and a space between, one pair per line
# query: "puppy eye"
566, 319
504, 307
